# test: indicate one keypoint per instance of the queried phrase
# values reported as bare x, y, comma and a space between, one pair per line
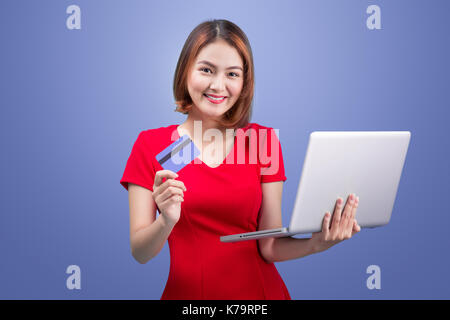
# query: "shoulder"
157, 138
258, 135
158, 132
260, 127
261, 131
257, 126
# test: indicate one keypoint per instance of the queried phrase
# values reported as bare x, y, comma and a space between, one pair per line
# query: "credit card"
179, 154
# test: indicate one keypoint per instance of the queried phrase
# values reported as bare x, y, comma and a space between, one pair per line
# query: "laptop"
338, 163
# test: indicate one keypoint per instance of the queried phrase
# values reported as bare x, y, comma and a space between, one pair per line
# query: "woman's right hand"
168, 195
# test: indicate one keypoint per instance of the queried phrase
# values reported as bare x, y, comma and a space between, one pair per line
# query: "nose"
217, 84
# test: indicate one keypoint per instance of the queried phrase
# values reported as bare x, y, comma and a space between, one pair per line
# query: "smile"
214, 100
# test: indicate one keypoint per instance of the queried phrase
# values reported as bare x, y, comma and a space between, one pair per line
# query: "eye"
205, 69
236, 75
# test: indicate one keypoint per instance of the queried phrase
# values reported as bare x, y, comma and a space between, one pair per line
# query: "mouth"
214, 99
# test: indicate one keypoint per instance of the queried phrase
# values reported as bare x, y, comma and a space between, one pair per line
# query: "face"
217, 72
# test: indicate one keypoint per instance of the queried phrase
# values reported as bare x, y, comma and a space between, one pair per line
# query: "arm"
278, 249
147, 233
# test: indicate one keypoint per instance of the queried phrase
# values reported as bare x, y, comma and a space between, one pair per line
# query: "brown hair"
205, 33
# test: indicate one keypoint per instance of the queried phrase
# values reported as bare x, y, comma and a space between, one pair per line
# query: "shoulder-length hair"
205, 33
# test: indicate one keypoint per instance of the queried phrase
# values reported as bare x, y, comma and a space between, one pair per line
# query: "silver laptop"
338, 163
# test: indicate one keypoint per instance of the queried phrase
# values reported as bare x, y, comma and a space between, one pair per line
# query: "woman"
217, 194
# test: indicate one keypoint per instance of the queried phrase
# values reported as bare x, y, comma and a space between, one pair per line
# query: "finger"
169, 183
356, 227
336, 216
163, 174
172, 200
172, 183
346, 223
351, 224
169, 192
355, 206
326, 224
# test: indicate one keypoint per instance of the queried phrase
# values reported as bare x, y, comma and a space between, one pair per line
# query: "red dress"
218, 201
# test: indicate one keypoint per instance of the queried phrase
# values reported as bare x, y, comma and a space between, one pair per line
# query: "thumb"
356, 227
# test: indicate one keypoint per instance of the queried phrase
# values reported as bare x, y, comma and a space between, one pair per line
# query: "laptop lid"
338, 163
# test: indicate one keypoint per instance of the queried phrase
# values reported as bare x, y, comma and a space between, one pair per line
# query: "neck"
206, 124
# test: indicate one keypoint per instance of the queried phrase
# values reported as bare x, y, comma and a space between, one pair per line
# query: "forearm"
290, 248
146, 243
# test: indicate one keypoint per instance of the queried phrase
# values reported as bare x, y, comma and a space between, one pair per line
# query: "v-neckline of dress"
201, 161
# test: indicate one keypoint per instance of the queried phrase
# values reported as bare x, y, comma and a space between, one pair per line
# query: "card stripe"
174, 151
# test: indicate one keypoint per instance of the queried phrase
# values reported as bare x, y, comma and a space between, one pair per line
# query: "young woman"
216, 194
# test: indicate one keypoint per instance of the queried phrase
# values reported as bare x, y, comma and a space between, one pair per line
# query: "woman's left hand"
343, 226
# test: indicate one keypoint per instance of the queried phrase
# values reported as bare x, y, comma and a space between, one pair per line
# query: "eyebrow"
210, 64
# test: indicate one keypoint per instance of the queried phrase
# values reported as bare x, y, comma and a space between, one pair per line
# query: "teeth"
212, 98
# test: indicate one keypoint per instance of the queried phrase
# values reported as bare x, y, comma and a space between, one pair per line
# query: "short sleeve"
139, 169
271, 157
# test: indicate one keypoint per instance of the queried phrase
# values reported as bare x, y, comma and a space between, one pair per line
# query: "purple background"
74, 101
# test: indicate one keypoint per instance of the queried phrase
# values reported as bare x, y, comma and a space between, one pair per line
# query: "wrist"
313, 246
165, 222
